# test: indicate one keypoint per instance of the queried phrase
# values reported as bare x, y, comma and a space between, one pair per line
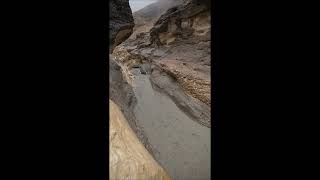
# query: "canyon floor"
182, 145
164, 90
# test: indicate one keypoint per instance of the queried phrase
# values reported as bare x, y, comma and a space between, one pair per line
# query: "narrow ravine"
182, 145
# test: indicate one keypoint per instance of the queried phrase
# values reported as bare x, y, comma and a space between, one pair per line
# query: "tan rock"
128, 157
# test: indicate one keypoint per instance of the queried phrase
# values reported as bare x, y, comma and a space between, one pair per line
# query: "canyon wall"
129, 158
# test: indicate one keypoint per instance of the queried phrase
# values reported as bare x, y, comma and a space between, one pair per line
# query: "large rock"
121, 22
179, 20
128, 157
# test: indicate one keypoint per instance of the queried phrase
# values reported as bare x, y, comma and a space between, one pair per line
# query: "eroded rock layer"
129, 159
175, 49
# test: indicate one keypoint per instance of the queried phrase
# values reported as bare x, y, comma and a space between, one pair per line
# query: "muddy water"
182, 145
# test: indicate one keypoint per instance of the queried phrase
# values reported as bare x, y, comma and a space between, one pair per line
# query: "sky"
139, 4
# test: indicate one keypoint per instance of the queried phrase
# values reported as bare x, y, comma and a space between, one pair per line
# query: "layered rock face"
128, 157
181, 22
121, 27
174, 42
146, 17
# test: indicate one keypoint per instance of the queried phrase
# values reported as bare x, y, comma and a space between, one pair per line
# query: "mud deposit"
182, 146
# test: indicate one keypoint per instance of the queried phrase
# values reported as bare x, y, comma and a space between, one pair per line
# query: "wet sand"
182, 145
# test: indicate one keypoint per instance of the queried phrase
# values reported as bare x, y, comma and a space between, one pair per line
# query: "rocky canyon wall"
128, 157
